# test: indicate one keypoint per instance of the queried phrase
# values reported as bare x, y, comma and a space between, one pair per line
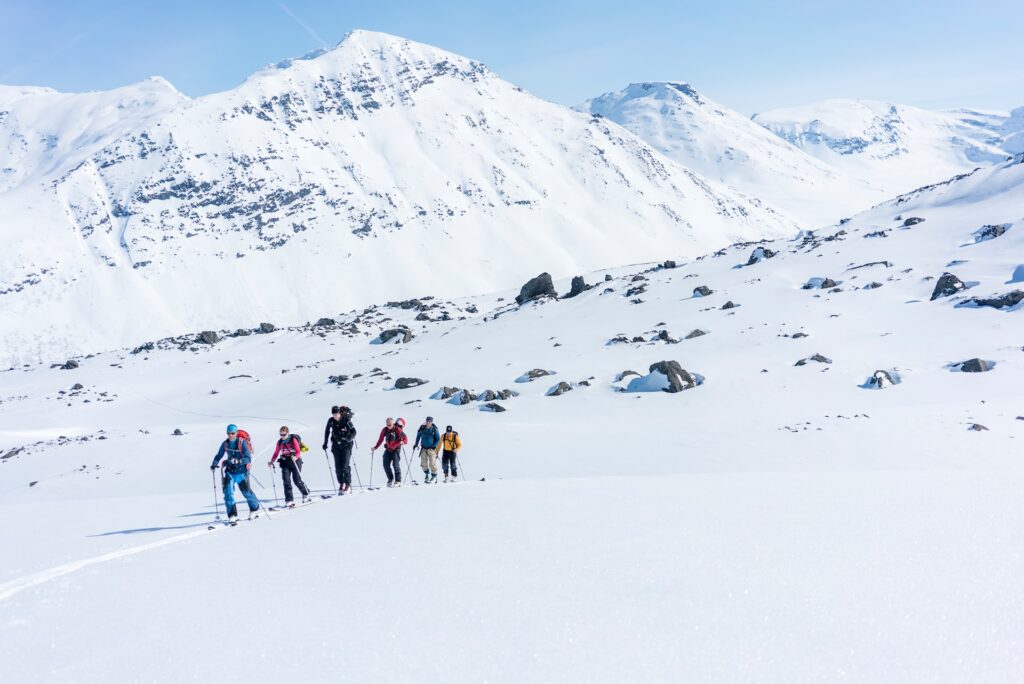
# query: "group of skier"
339, 435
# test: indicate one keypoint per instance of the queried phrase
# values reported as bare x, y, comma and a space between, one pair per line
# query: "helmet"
400, 422
232, 428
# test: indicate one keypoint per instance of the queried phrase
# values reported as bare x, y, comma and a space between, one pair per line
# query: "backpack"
452, 441
302, 445
244, 436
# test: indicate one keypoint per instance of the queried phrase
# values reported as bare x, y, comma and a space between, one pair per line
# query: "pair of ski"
232, 522
293, 506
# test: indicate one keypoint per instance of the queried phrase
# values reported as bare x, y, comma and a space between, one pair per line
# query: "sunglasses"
284, 434
232, 433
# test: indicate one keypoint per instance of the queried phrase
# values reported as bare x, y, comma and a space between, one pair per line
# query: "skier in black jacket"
340, 433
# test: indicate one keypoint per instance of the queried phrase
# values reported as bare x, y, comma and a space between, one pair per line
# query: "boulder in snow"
579, 286
696, 332
395, 335
462, 397
207, 337
541, 286
990, 232
819, 284
760, 254
1010, 300
818, 358
702, 291
729, 305
266, 328
948, 284
492, 407
665, 376
406, 383
559, 389
531, 375
507, 394
974, 366
912, 221
881, 379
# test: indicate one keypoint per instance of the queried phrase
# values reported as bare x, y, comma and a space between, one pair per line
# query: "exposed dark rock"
207, 337
912, 221
977, 427
422, 316
619, 339
624, 374
70, 364
976, 366
325, 322
669, 264
406, 383
798, 335
387, 335
729, 305
487, 395
241, 332
760, 254
579, 286
873, 286
541, 286
493, 407
679, 379
463, 397
702, 291
697, 332
77, 386
948, 284
819, 284
663, 336
559, 389
991, 231
507, 394
536, 373
814, 357
267, 328
887, 264
1005, 301
608, 277
880, 379
177, 432
338, 379
148, 346
638, 338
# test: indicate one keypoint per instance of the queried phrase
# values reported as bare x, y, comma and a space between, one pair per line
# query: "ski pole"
459, 462
371, 469
273, 481
408, 468
358, 479
216, 501
334, 488
257, 480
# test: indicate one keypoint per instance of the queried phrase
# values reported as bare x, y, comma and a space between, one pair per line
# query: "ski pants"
241, 479
290, 470
393, 459
448, 460
342, 462
428, 460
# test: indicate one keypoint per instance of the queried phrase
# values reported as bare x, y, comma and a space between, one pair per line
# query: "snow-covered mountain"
44, 133
846, 456
722, 144
897, 147
381, 168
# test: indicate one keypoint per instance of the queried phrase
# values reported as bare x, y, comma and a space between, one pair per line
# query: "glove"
248, 466
213, 467
270, 464
324, 447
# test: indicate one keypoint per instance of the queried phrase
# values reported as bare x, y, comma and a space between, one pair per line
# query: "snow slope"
896, 147
777, 522
374, 170
722, 144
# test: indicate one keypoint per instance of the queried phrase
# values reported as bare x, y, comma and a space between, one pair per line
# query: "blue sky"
748, 55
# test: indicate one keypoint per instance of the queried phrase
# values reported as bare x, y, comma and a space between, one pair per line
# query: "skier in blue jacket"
427, 440
237, 458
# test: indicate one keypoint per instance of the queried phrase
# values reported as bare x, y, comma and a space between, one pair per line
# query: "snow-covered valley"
794, 516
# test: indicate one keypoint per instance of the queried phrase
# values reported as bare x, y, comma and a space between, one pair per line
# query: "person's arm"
381, 439
277, 450
327, 432
419, 433
458, 443
246, 455
405, 437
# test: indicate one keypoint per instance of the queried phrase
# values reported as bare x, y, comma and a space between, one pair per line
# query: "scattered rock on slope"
991, 231
696, 332
912, 221
948, 284
1006, 301
400, 335
579, 286
673, 376
975, 366
207, 337
406, 383
819, 284
814, 357
541, 286
760, 254
702, 291
530, 376
881, 379
267, 328
559, 389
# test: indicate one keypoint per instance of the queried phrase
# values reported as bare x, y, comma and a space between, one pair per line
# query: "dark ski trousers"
342, 462
393, 459
448, 460
290, 470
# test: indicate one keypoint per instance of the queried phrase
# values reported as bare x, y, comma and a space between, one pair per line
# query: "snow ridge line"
9, 589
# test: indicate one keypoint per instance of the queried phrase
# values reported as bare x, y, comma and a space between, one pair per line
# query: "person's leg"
346, 463
455, 462
250, 496
229, 495
387, 466
446, 459
396, 457
339, 468
425, 463
297, 475
286, 476
433, 463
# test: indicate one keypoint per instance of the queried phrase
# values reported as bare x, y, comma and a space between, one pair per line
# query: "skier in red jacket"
393, 438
